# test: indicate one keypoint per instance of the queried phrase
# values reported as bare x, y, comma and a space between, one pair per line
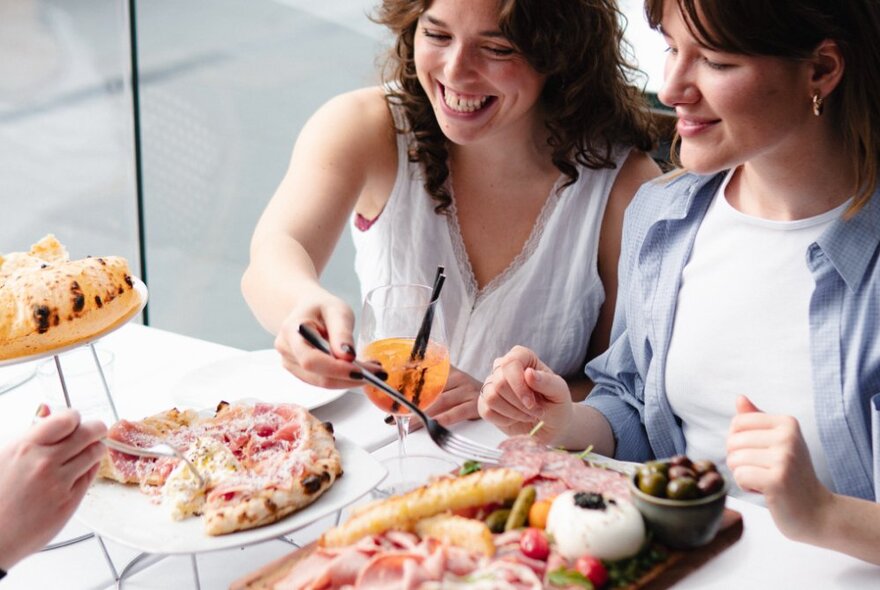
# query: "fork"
452, 443
157, 450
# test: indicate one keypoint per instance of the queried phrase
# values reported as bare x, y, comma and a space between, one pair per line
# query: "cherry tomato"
533, 543
592, 569
538, 513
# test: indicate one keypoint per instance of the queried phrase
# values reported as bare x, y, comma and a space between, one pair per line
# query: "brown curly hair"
589, 99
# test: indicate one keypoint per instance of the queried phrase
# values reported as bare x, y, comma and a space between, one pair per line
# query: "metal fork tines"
158, 450
452, 443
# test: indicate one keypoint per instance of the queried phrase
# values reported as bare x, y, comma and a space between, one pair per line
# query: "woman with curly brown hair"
505, 145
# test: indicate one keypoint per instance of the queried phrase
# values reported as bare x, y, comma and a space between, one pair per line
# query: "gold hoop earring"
818, 104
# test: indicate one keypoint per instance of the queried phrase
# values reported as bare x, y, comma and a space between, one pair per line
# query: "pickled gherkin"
497, 520
519, 514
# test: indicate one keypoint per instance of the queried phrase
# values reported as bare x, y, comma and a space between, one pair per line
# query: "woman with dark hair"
505, 145
745, 330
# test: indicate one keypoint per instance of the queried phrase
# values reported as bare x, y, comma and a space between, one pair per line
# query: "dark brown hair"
793, 29
589, 100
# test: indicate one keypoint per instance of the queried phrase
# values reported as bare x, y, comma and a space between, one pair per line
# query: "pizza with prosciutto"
259, 463
48, 301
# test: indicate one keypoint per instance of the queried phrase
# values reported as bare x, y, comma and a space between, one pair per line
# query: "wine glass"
391, 321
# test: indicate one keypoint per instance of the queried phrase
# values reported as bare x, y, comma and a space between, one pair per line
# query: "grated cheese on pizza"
260, 463
183, 493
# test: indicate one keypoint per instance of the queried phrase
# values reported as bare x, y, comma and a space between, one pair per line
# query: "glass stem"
402, 429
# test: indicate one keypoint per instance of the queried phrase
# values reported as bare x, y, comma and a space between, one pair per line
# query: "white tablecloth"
148, 364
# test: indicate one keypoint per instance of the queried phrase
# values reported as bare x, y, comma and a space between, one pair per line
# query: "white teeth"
461, 103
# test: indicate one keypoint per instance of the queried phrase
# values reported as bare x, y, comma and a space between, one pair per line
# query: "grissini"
404, 511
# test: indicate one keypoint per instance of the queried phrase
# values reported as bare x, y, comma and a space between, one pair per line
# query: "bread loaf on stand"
48, 301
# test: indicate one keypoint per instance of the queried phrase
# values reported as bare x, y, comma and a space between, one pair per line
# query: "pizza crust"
48, 301
273, 483
265, 506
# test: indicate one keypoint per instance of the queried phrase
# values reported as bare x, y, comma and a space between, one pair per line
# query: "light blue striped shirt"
659, 230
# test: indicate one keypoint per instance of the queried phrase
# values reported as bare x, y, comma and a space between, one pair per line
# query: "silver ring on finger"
483, 387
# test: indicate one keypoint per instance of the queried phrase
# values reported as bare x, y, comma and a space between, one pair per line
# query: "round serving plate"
125, 515
257, 375
141, 289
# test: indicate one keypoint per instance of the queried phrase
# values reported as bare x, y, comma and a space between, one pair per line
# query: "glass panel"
225, 87
66, 142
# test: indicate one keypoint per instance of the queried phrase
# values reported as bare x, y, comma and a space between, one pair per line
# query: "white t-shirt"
742, 328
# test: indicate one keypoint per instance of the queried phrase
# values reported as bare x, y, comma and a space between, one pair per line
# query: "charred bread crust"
64, 302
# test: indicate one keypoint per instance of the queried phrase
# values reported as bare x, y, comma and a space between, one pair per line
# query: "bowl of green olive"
682, 501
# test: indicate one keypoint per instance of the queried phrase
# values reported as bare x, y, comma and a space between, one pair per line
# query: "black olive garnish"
589, 500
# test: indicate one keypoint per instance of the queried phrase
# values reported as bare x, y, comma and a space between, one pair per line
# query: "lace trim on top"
531, 244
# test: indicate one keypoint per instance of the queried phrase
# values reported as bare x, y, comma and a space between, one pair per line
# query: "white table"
150, 361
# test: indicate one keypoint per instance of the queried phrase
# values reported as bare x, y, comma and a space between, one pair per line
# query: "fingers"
462, 392
339, 323
458, 414
752, 421
466, 410
752, 478
314, 366
501, 397
55, 428
522, 355
551, 386
42, 411
82, 463
87, 434
744, 405
81, 485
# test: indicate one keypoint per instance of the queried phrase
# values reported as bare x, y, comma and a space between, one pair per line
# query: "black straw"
420, 346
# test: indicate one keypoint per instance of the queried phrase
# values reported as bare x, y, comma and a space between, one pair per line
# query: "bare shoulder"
637, 169
357, 123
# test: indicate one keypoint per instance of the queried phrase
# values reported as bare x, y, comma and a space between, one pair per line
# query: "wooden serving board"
663, 575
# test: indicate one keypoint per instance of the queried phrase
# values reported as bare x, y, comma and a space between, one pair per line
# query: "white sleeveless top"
742, 328
548, 299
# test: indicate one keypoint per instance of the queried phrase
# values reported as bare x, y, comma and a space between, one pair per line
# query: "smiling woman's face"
478, 84
731, 108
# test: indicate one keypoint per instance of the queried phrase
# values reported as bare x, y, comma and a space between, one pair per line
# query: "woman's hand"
334, 320
521, 391
458, 402
767, 454
44, 477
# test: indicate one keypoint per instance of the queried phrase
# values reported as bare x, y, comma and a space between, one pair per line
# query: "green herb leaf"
626, 571
564, 577
470, 467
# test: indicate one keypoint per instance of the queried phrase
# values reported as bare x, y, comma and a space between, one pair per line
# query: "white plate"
141, 289
256, 375
124, 514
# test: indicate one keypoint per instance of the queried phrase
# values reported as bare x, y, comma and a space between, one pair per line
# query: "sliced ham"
392, 571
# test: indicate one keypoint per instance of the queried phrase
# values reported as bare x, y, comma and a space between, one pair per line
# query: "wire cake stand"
56, 353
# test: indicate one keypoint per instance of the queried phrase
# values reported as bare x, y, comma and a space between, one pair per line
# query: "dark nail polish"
389, 419
356, 375
382, 374
348, 349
